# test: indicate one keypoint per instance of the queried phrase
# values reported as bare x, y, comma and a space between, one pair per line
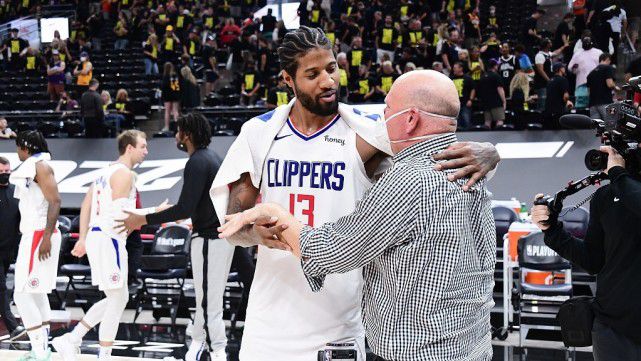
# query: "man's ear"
412, 121
289, 80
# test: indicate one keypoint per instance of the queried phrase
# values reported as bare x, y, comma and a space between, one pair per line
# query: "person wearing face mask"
413, 227
317, 157
84, 72
9, 239
210, 256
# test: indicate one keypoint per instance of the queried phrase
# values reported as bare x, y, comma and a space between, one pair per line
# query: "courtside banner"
532, 162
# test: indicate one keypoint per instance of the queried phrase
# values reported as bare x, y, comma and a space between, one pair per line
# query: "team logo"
34, 283
115, 278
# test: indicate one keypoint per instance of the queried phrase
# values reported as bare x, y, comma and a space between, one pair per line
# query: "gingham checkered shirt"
428, 253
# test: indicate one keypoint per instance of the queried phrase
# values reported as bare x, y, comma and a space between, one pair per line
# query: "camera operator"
612, 250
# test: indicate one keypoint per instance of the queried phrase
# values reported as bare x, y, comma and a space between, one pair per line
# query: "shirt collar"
427, 147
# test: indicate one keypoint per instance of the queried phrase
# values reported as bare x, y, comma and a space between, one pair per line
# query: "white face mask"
421, 136
82, 58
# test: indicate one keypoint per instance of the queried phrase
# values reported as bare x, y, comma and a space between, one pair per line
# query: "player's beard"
315, 106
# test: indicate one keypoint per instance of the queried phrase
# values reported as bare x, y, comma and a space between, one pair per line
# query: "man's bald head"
427, 90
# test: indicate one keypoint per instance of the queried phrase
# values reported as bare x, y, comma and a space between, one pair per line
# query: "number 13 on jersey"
305, 203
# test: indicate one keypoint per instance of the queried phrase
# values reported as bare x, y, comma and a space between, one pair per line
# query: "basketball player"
317, 167
112, 192
37, 262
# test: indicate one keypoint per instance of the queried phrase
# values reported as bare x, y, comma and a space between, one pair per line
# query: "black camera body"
622, 131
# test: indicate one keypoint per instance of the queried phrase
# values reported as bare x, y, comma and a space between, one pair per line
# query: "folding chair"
163, 271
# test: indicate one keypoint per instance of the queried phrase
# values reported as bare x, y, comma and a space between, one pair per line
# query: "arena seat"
539, 301
64, 224
168, 261
503, 218
575, 221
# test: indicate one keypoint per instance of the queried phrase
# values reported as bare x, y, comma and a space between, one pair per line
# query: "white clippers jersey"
33, 207
319, 178
103, 211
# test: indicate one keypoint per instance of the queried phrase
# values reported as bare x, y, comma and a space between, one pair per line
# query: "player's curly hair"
297, 43
33, 141
197, 128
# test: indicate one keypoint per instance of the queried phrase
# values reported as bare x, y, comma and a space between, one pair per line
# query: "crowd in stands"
221, 44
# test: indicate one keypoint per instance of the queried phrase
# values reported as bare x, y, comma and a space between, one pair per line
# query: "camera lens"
596, 160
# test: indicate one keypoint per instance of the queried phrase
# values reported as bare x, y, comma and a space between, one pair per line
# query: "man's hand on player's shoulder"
472, 160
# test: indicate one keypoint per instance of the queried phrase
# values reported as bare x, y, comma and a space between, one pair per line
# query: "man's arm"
501, 92
243, 196
49, 187
79, 249
589, 254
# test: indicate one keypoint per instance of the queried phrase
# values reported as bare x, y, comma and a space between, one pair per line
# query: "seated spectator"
251, 83
84, 71
112, 120
466, 92
150, 49
5, 131
362, 87
278, 95
170, 89
55, 76
491, 96
520, 92
66, 104
122, 107
189, 89
558, 100
92, 112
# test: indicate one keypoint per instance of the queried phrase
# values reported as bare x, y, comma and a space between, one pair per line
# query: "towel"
248, 152
25, 174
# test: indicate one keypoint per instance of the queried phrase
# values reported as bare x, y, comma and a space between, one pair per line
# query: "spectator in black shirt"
9, 239
563, 35
530, 35
557, 101
358, 56
251, 84
12, 48
189, 90
491, 96
269, 24
450, 48
170, 93
210, 62
386, 40
151, 51
601, 83
278, 95
466, 93
362, 87
385, 80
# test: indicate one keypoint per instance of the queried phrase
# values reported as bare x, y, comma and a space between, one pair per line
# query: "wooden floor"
10, 355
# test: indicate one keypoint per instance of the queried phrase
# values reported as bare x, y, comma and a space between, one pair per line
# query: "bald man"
426, 245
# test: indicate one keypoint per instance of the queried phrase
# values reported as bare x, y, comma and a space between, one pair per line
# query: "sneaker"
31, 356
219, 355
67, 349
19, 333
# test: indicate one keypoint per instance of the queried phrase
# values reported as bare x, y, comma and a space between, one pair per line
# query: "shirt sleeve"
386, 216
589, 254
194, 184
539, 59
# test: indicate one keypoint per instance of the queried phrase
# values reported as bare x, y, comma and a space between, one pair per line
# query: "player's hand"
270, 233
614, 158
79, 250
162, 206
540, 214
44, 251
472, 160
131, 223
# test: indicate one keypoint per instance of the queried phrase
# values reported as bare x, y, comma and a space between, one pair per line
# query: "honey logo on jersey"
329, 139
